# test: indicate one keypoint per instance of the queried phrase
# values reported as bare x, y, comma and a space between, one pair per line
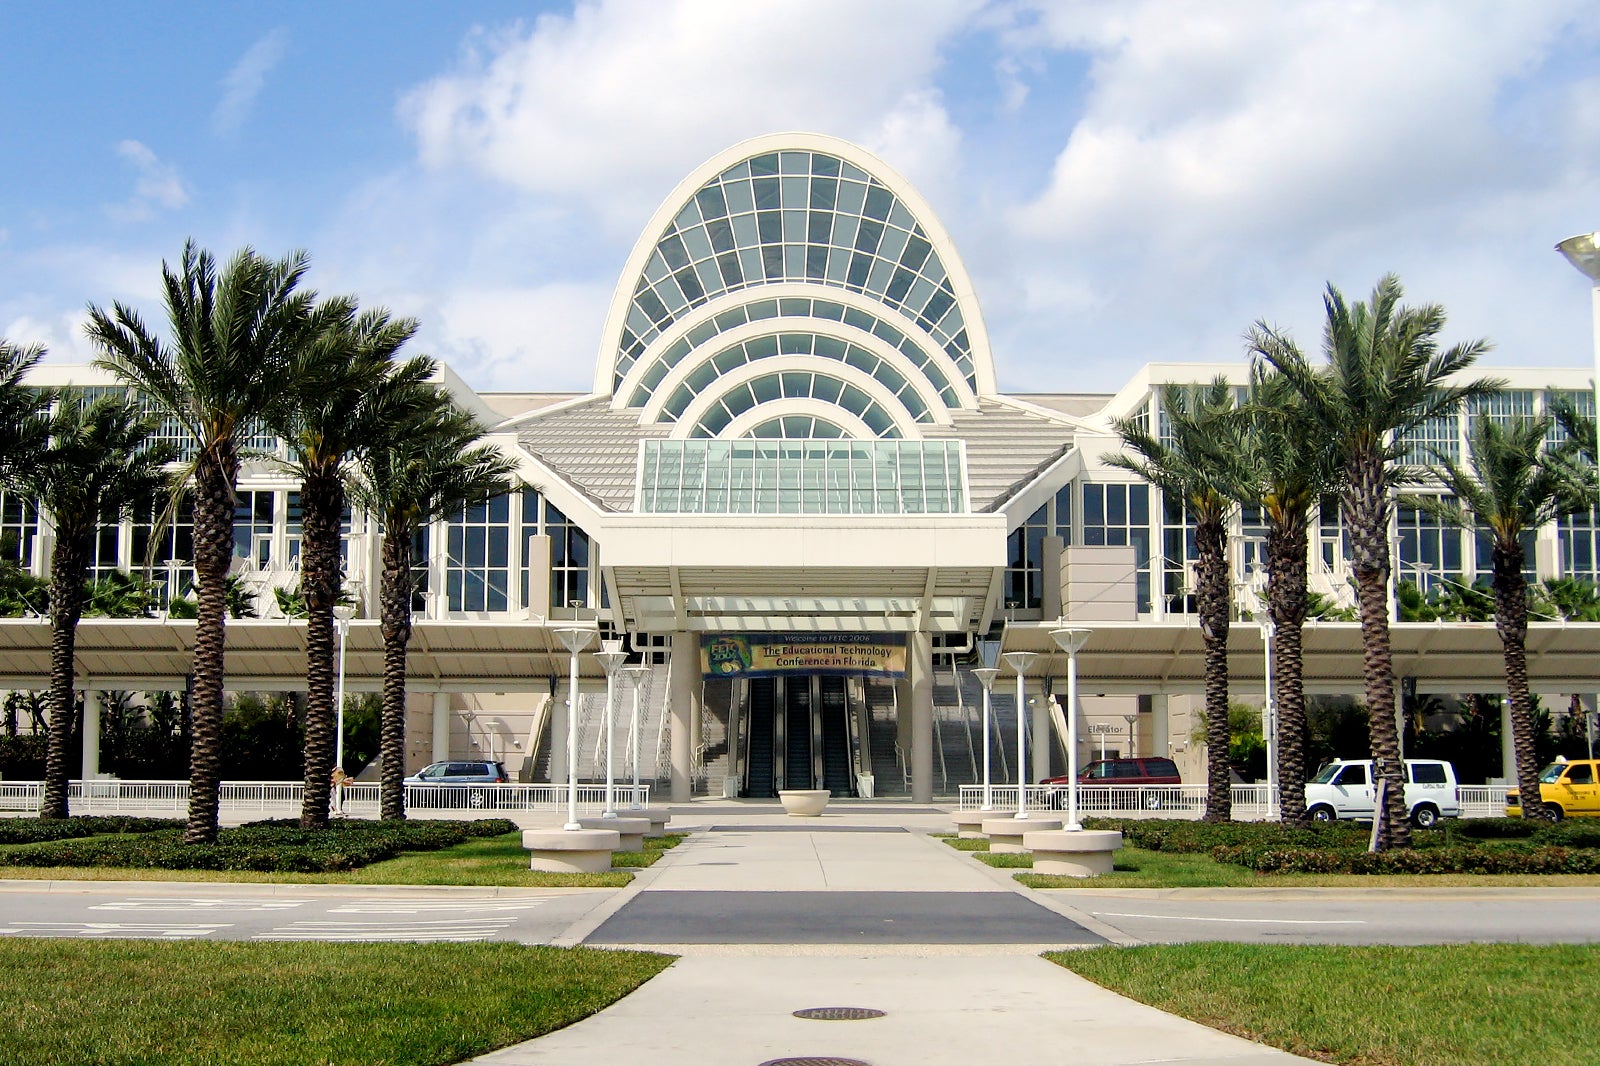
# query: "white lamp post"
574, 639
342, 613
1583, 252
1070, 641
1020, 661
986, 676
611, 660
636, 674
1269, 715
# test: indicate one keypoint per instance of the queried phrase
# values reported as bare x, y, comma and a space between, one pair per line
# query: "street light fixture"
342, 613
1583, 252
1070, 640
1020, 661
986, 676
611, 660
637, 673
574, 639
1270, 716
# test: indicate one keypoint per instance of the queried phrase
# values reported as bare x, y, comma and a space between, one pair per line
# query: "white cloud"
244, 82
538, 339
610, 106
61, 334
157, 185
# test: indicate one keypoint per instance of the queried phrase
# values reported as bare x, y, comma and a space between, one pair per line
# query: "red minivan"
1150, 771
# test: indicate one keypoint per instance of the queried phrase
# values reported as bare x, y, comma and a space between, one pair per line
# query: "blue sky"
1126, 182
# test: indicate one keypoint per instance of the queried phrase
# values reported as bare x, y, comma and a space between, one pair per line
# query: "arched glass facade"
794, 216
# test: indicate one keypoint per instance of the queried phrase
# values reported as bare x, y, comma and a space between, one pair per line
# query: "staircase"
797, 737
888, 780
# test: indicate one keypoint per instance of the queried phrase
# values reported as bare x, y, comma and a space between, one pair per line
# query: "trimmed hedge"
36, 830
1432, 860
279, 846
1182, 835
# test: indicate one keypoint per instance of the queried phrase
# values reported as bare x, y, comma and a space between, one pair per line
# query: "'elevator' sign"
770, 654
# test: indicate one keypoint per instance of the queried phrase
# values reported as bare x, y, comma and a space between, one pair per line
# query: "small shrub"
37, 830
278, 846
1181, 835
1434, 860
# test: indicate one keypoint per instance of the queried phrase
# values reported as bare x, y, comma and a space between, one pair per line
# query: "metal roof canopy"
269, 655
1444, 657
522, 656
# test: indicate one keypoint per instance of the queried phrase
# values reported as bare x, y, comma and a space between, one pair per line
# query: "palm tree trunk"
1286, 593
395, 597
1511, 620
322, 506
215, 471
1211, 562
1366, 515
67, 562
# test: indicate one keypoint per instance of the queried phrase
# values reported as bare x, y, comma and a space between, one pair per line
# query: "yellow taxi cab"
1568, 787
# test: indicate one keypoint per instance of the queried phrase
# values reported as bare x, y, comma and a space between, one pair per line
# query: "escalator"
835, 738
797, 733
759, 765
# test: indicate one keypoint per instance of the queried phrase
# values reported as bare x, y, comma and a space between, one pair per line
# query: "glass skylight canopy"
795, 216
859, 477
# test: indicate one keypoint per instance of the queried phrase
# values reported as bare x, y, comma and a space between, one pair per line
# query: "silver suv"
454, 779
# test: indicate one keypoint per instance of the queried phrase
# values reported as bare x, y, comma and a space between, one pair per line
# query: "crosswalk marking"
117, 930
170, 903
457, 929
420, 906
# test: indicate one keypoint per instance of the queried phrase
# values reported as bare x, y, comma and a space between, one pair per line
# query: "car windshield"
1552, 773
1325, 774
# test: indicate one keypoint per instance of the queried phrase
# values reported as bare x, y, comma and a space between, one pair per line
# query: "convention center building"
797, 494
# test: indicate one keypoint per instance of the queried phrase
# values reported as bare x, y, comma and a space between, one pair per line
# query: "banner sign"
771, 654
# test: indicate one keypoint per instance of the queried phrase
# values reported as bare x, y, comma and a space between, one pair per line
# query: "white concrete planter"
804, 802
1073, 853
571, 851
1005, 832
969, 824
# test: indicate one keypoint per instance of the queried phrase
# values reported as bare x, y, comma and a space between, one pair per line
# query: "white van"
1344, 789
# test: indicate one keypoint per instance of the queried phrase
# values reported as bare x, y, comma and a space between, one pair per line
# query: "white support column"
920, 669
441, 727
1160, 737
1039, 737
91, 734
683, 689
1508, 747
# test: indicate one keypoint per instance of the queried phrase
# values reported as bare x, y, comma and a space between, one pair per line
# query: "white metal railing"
285, 797
1482, 801
1249, 801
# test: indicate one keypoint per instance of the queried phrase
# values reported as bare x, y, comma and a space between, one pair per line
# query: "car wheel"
1152, 801
1426, 816
1553, 811
1322, 813
477, 799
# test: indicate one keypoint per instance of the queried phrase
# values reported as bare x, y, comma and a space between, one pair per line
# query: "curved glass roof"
793, 307
797, 427
796, 216
771, 345
794, 385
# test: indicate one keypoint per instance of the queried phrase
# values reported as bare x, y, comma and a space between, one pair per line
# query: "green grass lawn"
1464, 1004
261, 1004
488, 861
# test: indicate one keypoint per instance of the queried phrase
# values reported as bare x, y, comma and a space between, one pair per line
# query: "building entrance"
802, 731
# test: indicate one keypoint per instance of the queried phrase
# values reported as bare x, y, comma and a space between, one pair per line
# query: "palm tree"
99, 463
1512, 484
1285, 466
231, 336
337, 388
1194, 470
1385, 377
22, 410
421, 469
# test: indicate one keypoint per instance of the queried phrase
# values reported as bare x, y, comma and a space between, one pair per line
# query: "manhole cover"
815, 1060
838, 1014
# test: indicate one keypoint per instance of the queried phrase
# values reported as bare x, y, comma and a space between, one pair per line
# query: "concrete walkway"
952, 991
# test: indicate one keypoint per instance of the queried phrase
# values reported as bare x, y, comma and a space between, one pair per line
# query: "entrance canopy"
1169, 656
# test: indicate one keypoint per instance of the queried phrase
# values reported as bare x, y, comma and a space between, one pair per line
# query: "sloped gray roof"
596, 448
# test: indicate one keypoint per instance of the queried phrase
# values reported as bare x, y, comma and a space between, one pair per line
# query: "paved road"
291, 912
